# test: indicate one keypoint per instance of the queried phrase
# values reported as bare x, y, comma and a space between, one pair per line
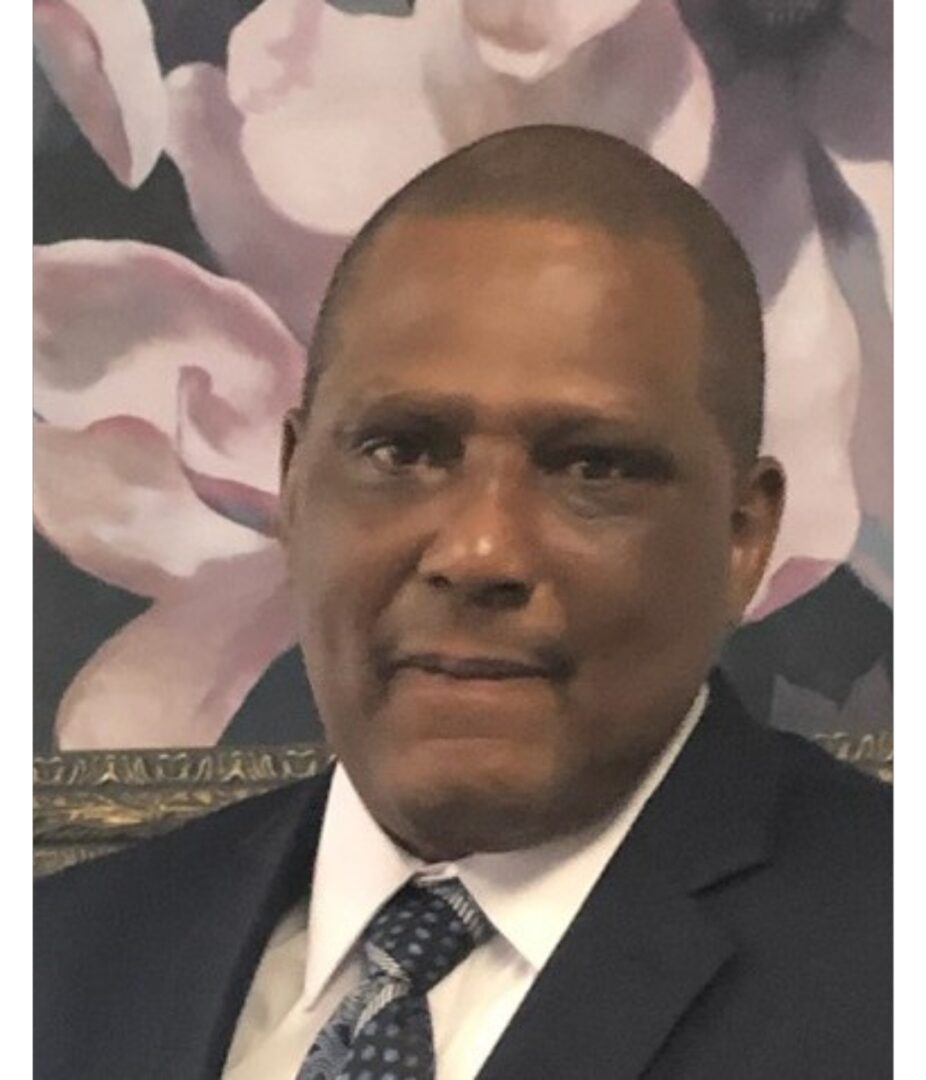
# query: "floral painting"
199, 169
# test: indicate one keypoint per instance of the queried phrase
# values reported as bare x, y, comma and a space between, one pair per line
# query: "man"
522, 502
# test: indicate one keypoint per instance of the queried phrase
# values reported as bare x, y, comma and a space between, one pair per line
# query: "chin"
443, 805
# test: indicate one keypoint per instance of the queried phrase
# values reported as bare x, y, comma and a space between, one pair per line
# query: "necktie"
382, 1030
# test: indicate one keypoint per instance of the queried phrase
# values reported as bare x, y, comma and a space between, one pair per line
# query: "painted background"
200, 166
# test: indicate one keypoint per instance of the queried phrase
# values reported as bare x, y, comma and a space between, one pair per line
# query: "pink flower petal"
342, 125
286, 264
338, 128
270, 53
791, 581
115, 500
680, 134
240, 503
99, 57
812, 383
231, 457
115, 321
873, 184
765, 178
846, 94
177, 674
642, 79
855, 248
757, 174
873, 438
530, 38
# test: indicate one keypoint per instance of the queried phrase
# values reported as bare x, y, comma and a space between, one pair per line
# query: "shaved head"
570, 174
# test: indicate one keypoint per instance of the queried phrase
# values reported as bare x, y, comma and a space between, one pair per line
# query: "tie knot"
423, 932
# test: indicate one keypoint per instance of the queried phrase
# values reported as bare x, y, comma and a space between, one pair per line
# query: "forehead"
531, 307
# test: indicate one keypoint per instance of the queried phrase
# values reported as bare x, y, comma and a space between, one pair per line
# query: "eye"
394, 452
591, 464
595, 465
401, 453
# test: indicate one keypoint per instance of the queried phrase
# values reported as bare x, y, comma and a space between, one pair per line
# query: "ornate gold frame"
93, 802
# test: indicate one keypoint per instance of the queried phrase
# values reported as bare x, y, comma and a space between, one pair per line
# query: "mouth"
489, 668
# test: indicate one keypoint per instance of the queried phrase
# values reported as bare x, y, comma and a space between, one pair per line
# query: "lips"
552, 666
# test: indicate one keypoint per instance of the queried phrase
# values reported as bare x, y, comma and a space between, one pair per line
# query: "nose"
482, 551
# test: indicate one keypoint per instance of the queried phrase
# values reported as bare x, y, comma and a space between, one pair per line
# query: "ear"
293, 428
756, 517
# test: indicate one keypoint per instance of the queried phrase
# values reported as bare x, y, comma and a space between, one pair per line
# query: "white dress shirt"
311, 960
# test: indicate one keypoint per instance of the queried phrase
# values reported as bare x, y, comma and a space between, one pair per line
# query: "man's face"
515, 533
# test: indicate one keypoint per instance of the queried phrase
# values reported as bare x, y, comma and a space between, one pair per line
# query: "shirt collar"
358, 867
530, 896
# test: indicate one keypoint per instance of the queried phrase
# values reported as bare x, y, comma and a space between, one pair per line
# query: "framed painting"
200, 168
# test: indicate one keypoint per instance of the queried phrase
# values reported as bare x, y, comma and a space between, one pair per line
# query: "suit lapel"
254, 876
641, 949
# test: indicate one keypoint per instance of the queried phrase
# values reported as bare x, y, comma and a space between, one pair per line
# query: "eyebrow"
550, 422
446, 410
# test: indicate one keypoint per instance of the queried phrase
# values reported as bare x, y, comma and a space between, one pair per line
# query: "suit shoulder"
833, 808
813, 773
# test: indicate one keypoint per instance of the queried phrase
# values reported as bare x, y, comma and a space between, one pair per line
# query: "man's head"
522, 499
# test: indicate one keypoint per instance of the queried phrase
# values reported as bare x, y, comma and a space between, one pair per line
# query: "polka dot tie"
382, 1030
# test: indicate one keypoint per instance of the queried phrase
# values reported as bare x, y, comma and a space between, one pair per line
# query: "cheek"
647, 619
650, 590
343, 576
682, 570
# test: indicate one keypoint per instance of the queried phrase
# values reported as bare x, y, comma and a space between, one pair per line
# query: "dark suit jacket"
742, 931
